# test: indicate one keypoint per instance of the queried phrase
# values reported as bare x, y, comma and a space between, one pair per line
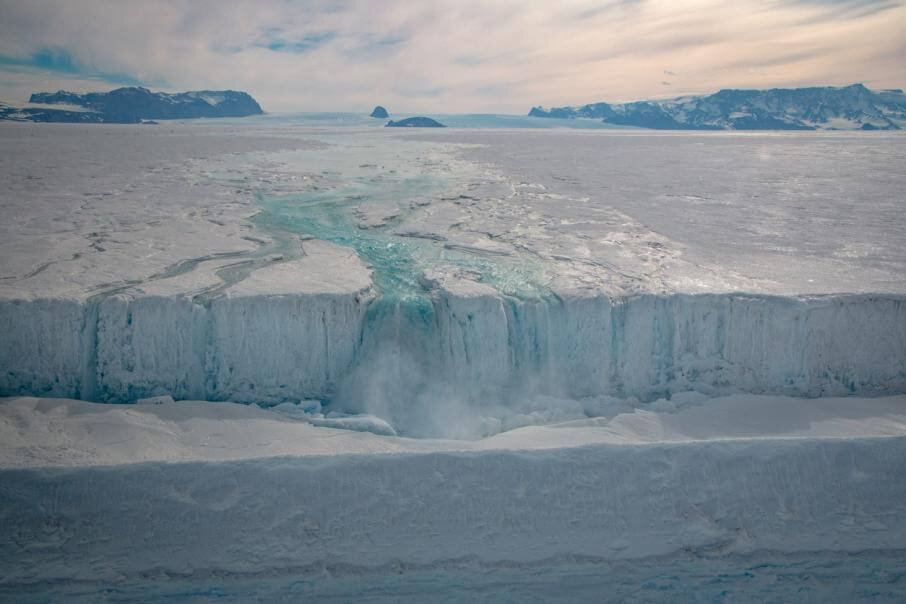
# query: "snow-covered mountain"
827, 108
131, 105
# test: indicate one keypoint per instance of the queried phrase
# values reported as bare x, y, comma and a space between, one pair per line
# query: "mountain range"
817, 108
131, 105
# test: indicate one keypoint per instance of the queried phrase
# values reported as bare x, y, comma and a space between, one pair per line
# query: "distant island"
415, 122
380, 112
131, 105
820, 108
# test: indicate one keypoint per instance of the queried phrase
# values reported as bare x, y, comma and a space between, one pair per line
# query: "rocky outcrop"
380, 112
826, 108
131, 105
415, 122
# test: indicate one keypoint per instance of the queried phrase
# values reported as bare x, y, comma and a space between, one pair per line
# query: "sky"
454, 56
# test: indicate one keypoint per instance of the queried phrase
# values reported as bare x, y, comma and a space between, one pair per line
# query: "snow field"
205, 519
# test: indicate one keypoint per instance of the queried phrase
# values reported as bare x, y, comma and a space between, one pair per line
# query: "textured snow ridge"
460, 345
120, 523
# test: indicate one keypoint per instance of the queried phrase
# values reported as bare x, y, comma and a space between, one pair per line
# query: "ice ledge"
459, 351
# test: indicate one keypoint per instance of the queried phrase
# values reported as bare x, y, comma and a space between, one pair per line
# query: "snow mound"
359, 423
38, 432
762, 478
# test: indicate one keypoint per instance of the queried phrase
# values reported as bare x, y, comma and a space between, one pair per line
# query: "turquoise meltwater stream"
397, 262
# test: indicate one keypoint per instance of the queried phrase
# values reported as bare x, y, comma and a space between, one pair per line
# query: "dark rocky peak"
415, 122
133, 104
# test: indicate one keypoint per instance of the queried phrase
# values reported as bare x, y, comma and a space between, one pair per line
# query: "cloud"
299, 45
597, 9
447, 56
845, 9
62, 63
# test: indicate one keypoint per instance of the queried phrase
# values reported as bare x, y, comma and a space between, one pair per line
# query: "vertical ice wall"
279, 348
150, 345
476, 348
44, 347
481, 350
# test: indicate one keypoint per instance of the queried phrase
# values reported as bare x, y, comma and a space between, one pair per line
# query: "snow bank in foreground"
41, 432
279, 515
755, 478
431, 366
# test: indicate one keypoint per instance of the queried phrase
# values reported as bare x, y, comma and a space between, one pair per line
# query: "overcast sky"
448, 57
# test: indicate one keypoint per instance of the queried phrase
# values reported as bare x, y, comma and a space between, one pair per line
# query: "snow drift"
101, 501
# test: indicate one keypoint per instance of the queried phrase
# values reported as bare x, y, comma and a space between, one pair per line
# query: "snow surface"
89, 210
768, 479
786, 214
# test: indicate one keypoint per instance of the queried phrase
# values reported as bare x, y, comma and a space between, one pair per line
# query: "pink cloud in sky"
456, 56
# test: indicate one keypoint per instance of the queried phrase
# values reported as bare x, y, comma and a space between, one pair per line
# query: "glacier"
484, 364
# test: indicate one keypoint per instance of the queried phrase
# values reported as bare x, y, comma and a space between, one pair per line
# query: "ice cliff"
455, 352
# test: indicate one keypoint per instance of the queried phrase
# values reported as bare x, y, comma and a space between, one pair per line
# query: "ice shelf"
661, 366
414, 279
